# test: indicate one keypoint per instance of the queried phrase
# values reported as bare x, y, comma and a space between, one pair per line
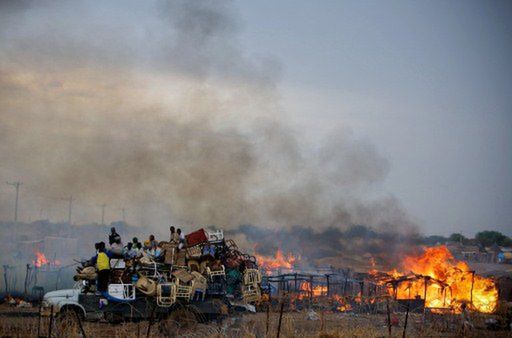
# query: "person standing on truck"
103, 267
113, 236
175, 238
181, 239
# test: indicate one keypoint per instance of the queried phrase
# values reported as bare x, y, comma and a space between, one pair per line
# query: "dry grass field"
294, 324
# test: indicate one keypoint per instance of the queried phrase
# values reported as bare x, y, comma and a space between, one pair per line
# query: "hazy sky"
430, 83
324, 113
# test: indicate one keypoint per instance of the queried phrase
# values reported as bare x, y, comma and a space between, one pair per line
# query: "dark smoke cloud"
355, 246
153, 106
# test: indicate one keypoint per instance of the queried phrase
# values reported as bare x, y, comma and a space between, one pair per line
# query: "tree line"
485, 238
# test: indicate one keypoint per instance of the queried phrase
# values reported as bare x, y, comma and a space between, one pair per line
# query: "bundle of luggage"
204, 265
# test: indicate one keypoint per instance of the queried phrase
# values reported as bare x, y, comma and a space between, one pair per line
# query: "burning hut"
440, 281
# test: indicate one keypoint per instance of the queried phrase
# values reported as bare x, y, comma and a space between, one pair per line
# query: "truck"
204, 281
94, 306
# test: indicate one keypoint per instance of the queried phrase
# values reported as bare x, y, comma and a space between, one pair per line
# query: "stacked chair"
208, 265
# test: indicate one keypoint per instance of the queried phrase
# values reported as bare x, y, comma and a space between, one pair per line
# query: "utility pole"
16, 185
123, 211
103, 206
70, 208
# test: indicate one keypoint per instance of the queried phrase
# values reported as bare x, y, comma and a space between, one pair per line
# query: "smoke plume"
154, 107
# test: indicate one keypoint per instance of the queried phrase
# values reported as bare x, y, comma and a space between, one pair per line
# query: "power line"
16, 185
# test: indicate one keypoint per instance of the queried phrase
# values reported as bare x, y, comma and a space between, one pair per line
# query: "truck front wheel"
68, 320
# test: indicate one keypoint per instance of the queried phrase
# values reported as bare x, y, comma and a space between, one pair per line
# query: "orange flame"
342, 304
40, 260
305, 291
373, 264
450, 283
273, 263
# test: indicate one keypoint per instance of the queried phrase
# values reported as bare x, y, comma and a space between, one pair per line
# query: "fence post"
51, 323
389, 316
39, 321
280, 318
268, 318
150, 321
406, 317
80, 324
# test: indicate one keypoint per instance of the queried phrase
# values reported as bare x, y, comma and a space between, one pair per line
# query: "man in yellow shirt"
103, 267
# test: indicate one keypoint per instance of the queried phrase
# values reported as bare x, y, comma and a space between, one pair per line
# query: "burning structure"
433, 279
441, 281
42, 273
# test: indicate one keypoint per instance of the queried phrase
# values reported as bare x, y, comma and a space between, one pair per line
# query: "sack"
146, 260
87, 273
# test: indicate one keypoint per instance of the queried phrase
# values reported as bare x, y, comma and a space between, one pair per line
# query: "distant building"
471, 252
505, 255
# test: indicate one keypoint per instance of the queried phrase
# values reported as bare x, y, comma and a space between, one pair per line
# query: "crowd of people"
131, 250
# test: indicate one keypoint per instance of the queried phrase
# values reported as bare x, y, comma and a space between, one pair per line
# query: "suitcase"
196, 237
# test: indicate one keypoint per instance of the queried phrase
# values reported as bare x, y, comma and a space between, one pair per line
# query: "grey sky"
406, 106
430, 83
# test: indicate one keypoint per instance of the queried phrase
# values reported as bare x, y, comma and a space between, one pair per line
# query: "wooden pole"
39, 320
327, 277
150, 321
268, 319
80, 324
57, 279
51, 323
444, 296
389, 317
6, 281
406, 318
26, 280
322, 321
472, 285
425, 279
280, 318
310, 288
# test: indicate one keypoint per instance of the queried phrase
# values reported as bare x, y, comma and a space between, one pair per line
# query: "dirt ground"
293, 324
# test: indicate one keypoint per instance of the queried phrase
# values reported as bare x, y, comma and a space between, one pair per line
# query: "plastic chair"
251, 293
165, 294
200, 284
184, 291
252, 277
212, 273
